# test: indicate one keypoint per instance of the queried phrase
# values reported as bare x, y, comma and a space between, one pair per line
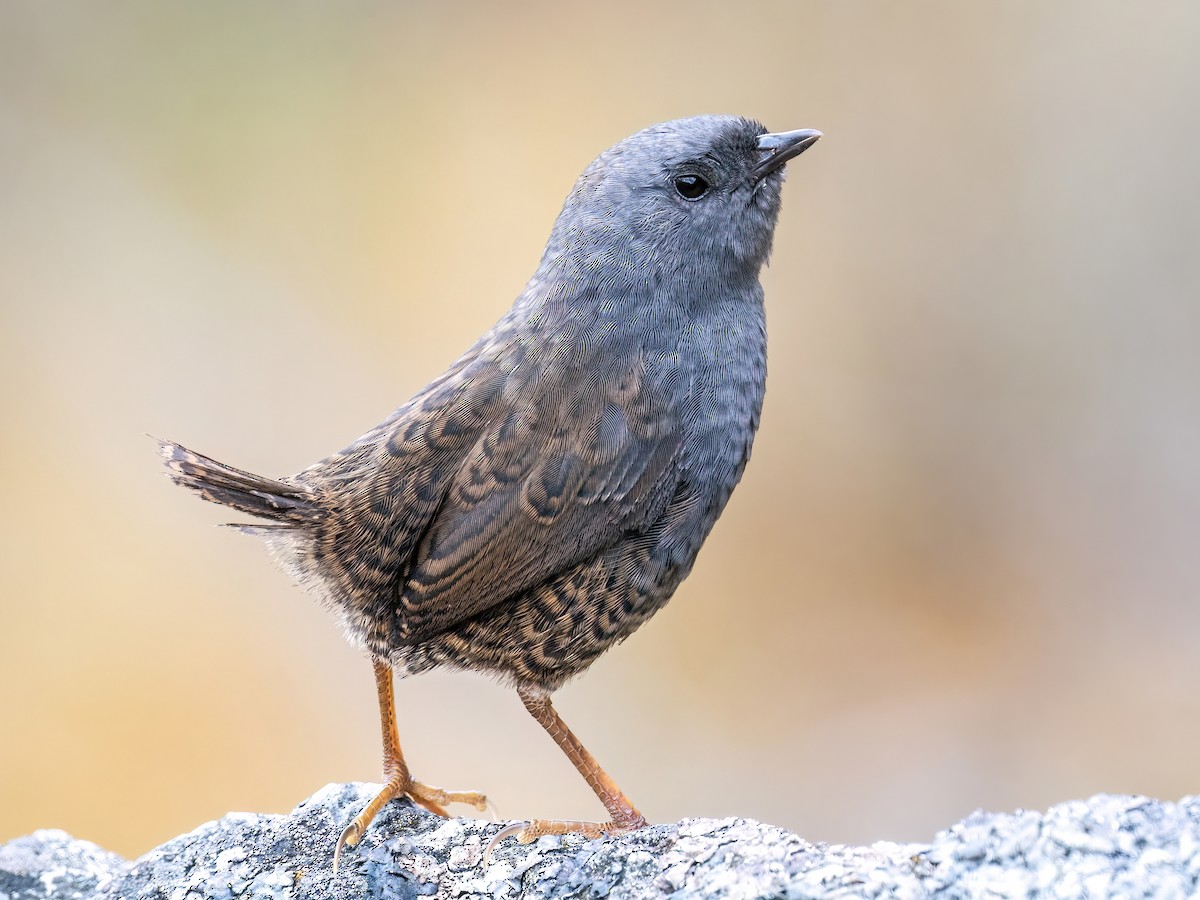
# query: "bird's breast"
727, 384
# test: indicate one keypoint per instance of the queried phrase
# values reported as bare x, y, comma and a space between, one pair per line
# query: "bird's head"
686, 200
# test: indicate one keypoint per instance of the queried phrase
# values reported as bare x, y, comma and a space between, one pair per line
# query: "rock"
1105, 846
53, 864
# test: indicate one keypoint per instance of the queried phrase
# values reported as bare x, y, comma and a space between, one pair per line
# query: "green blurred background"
962, 570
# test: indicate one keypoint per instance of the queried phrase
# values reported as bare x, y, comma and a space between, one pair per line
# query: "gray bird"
536, 503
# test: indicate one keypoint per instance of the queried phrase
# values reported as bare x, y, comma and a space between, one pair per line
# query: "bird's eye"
691, 187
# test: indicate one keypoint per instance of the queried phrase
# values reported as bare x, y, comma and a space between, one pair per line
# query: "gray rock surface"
1108, 846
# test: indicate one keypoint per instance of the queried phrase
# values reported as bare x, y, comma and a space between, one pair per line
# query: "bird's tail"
286, 505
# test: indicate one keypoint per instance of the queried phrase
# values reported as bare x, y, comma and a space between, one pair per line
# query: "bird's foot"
433, 799
528, 832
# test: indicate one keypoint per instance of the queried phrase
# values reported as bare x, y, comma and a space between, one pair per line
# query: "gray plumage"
547, 494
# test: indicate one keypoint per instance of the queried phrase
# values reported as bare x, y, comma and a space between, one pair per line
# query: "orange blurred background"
962, 570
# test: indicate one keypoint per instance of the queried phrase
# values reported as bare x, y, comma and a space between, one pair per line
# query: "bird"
541, 499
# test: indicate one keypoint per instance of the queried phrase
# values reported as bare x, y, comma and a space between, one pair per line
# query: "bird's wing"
573, 462
384, 491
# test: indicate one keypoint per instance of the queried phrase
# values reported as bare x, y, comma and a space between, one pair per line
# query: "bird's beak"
777, 148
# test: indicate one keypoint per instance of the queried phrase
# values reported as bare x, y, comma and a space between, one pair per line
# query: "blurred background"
962, 570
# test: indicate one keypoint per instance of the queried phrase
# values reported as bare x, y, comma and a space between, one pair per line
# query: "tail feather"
288, 505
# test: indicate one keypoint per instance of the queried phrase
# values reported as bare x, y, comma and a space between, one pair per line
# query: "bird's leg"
399, 780
624, 816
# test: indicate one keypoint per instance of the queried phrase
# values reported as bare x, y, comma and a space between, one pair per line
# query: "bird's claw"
349, 837
528, 832
435, 798
424, 795
517, 828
